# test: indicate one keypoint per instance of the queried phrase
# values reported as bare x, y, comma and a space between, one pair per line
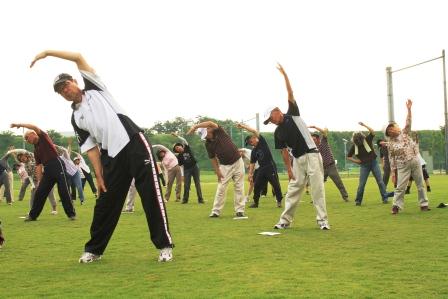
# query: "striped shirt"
325, 152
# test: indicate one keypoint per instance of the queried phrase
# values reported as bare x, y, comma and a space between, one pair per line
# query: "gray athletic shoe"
281, 226
88, 257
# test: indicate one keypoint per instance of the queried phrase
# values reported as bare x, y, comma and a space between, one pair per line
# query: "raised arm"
288, 85
71, 56
407, 127
323, 131
249, 129
63, 150
205, 124
159, 147
371, 131
182, 140
28, 126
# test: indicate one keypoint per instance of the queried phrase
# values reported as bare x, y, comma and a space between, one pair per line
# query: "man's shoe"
442, 205
346, 199
408, 191
127, 211
281, 226
88, 257
239, 214
54, 212
201, 201
184, 202
385, 201
254, 205
425, 209
72, 218
323, 225
28, 219
166, 254
213, 215
395, 210
357, 203
279, 204
428, 188
390, 194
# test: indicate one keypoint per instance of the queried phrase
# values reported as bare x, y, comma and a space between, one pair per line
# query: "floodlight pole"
446, 112
257, 121
390, 95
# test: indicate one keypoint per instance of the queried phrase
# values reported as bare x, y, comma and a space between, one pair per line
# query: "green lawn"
368, 253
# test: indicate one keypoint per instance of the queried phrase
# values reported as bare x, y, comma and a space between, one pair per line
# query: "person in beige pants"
403, 157
227, 163
292, 136
172, 169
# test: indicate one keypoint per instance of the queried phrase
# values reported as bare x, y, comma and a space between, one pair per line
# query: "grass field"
368, 253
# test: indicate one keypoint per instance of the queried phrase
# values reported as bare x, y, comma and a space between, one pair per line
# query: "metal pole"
446, 112
23, 138
242, 135
257, 121
390, 95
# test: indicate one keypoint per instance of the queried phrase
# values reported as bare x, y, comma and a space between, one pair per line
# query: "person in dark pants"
125, 154
50, 170
384, 156
186, 159
330, 169
85, 169
267, 170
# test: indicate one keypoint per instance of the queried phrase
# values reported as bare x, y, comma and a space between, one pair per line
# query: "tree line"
430, 140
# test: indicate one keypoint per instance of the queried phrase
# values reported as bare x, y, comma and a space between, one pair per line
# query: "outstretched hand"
362, 124
39, 56
281, 69
16, 126
409, 103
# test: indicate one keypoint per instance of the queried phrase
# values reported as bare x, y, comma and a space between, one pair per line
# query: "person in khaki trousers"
227, 163
403, 157
292, 133
172, 168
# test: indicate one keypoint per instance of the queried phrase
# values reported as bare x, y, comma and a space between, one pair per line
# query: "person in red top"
47, 158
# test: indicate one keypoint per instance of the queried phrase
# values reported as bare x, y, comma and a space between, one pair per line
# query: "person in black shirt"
292, 133
362, 148
267, 170
186, 159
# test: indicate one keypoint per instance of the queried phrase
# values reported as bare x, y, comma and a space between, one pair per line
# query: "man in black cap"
267, 170
118, 151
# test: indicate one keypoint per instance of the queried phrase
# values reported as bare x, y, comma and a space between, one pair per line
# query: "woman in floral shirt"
403, 156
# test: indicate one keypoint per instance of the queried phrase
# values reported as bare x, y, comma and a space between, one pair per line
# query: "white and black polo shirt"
98, 120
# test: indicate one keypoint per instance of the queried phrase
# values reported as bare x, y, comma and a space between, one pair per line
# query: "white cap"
267, 114
202, 132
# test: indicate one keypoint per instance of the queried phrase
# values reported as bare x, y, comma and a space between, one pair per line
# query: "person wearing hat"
292, 133
267, 170
186, 159
363, 154
330, 169
118, 151
403, 156
50, 170
172, 168
227, 163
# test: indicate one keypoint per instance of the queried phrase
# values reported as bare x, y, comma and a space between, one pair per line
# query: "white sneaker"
54, 212
281, 226
88, 257
324, 225
166, 254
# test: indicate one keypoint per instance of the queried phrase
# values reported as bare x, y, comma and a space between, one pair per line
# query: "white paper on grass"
269, 233
240, 218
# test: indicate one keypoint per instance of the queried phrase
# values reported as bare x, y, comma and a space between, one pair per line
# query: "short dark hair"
177, 144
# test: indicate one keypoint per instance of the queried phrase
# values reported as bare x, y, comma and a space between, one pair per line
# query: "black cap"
315, 134
61, 78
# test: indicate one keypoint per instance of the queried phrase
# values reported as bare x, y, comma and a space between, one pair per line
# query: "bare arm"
95, 157
249, 129
407, 127
323, 131
71, 56
215, 165
182, 140
251, 172
28, 126
38, 173
288, 85
371, 131
287, 161
205, 124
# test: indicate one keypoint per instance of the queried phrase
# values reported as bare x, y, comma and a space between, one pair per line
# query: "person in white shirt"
118, 151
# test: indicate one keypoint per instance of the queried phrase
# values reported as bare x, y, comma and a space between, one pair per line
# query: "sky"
163, 59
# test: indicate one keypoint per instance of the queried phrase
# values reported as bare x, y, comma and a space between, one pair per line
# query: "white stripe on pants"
233, 172
308, 166
414, 169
